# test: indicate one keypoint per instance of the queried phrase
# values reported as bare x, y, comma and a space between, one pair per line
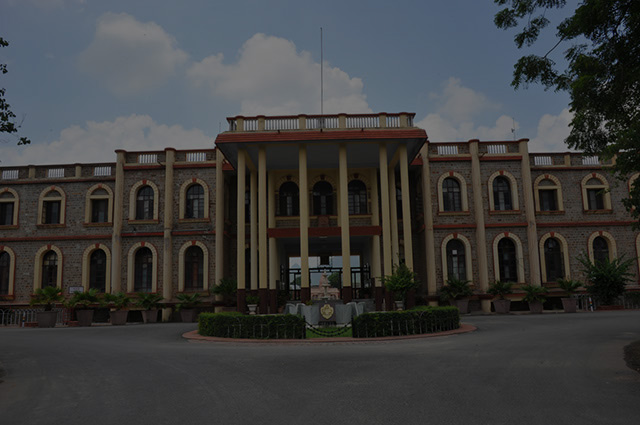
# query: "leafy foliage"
253, 299
456, 289
82, 300
408, 322
607, 278
534, 293
569, 286
227, 288
7, 116
148, 300
401, 281
602, 75
47, 297
236, 325
500, 289
119, 300
334, 280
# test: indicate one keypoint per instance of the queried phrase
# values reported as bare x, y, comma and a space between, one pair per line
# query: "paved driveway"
549, 369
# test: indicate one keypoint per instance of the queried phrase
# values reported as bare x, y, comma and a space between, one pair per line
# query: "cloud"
461, 104
552, 131
97, 141
271, 77
48, 4
130, 57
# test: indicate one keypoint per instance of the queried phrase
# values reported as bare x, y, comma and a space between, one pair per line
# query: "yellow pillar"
406, 207
344, 223
253, 228
429, 238
263, 277
304, 223
384, 207
529, 208
167, 251
219, 217
376, 269
116, 238
393, 209
273, 249
241, 168
481, 238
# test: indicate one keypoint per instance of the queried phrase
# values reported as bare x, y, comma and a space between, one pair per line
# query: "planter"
46, 319
150, 316
570, 305
399, 305
535, 307
463, 306
188, 315
118, 317
253, 308
85, 317
502, 306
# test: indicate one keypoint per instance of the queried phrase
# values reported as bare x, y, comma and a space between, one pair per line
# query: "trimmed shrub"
236, 325
420, 320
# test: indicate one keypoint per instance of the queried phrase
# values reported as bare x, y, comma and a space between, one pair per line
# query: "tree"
602, 74
7, 117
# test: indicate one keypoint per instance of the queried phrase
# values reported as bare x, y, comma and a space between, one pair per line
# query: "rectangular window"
99, 210
548, 200
51, 212
595, 199
6, 214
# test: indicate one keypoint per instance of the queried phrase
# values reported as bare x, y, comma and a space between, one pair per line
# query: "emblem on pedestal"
326, 311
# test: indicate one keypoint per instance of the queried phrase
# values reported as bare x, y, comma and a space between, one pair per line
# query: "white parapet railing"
393, 121
317, 122
54, 173
147, 158
447, 150
314, 123
496, 149
590, 160
285, 123
196, 156
250, 124
10, 174
542, 160
363, 121
101, 171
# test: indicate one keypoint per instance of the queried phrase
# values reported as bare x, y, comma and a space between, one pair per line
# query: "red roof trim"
310, 135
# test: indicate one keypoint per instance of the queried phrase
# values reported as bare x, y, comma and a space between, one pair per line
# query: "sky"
87, 77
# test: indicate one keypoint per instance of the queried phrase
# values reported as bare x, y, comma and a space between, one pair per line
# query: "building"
376, 193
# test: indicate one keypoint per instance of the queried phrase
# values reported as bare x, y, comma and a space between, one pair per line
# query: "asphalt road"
524, 369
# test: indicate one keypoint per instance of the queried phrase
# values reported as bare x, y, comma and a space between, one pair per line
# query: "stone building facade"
170, 221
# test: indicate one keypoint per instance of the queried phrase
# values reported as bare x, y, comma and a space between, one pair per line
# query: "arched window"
456, 261
595, 193
289, 199
8, 207
553, 257
193, 269
507, 260
143, 274
322, 198
99, 199
52, 208
502, 194
194, 207
98, 270
145, 203
600, 249
357, 197
49, 269
451, 195
548, 195
5, 268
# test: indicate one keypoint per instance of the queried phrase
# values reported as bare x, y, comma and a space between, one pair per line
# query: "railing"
251, 124
54, 173
101, 171
629, 300
316, 122
590, 160
288, 123
196, 156
393, 121
363, 122
447, 150
16, 317
322, 122
147, 158
10, 174
542, 160
496, 149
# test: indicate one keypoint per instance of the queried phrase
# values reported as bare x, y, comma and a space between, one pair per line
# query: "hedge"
420, 320
237, 325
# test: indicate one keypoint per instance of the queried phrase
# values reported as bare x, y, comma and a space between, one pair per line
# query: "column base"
347, 294
379, 296
241, 298
263, 307
486, 306
166, 314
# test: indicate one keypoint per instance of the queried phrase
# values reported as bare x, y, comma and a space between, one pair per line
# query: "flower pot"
463, 306
46, 319
85, 317
149, 316
570, 305
118, 317
535, 307
502, 306
188, 315
253, 308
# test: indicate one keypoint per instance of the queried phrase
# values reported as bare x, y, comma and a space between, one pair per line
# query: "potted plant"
535, 296
119, 301
457, 292
227, 289
500, 289
47, 297
570, 305
252, 303
187, 306
81, 302
400, 282
607, 279
149, 301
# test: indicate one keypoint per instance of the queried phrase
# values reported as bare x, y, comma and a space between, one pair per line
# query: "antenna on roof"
321, 75
513, 128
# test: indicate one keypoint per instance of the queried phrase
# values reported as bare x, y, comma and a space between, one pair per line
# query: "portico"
320, 186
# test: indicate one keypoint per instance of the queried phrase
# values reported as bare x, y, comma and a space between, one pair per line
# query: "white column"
481, 238
253, 220
219, 218
167, 251
393, 209
241, 225
429, 238
344, 217
406, 207
304, 218
384, 207
529, 208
